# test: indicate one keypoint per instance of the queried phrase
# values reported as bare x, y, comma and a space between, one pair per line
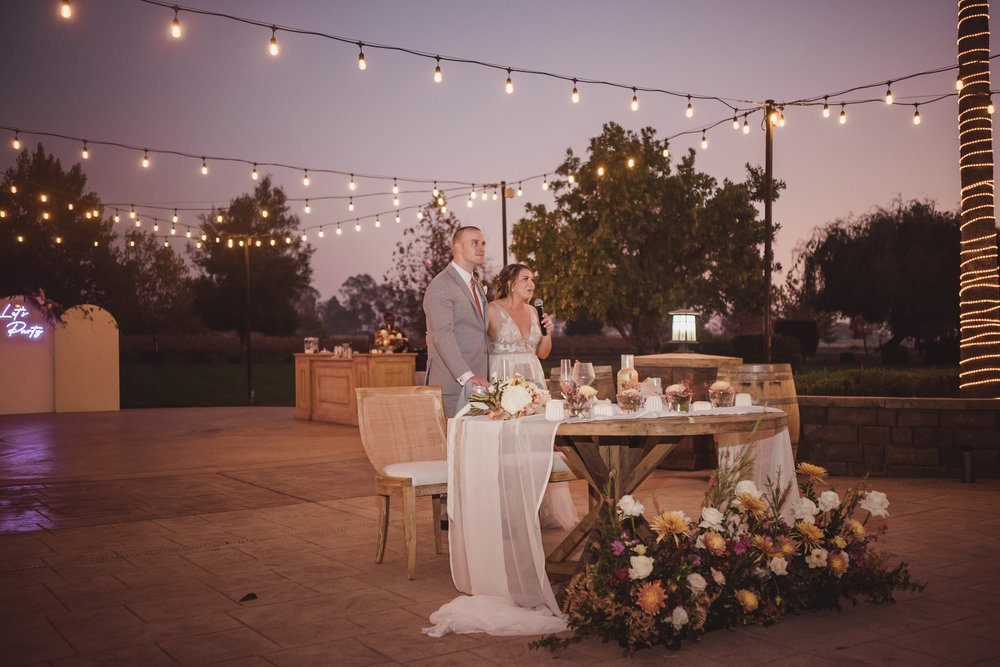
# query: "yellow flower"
667, 524
751, 503
812, 471
765, 545
811, 535
839, 542
838, 563
857, 529
651, 597
715, 543
640, 549
788, 546
747, 599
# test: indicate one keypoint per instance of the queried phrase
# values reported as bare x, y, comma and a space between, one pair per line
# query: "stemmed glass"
565, 370
583, 373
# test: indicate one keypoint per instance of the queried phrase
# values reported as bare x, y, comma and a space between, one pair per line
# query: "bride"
516, 345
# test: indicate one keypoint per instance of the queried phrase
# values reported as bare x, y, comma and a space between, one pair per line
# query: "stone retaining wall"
900, 437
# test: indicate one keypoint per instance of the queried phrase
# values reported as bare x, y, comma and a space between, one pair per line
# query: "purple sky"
114, 73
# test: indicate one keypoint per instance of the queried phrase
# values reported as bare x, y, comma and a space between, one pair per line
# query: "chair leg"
382, 502
436, 522
410, 529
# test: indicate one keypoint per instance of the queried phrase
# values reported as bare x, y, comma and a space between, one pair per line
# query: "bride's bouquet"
506, 399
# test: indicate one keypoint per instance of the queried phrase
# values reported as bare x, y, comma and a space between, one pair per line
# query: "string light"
218, 217
843, 115
308, 208
156, 225
494, 194
509, 87
131, 213
273, 46
572, 179
264, 213
321, 234
43, 197
378, 223
666, 150
959, 84
145, 159
357, 226
305, 178
339, 230
746, 124
916, 114
253, 174
575, 95
397, 217
736, 123
826, 108
690, 108
888, 93
520, 190
990, 109
66, 10
362, 63
175, 25
420, 215
635, 100
352, 186
70, 206
45, 215
117, 217
704, 141
395, 187
434, 190
175, 218
85, 153
188, 233
483, 195
438, 77
350, 204
631, 162
545, 182
204, 167
16, 142
600, 171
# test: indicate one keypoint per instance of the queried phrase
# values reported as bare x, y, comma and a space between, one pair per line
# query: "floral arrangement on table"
630, 398
389, 341
679, 395
669, 578
577, 397
721, 393
505, 399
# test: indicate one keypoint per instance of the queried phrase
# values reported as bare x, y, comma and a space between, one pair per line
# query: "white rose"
876, 503
699, 543
679, 618
805, 510
748, 486
587, 392
828, 500
778, 565
718, 577
675, 389
711, 518
721, 385
515, 398
629, 506
817, 558
697, 582
642, 567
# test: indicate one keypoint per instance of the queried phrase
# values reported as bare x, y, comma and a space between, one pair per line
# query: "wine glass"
504, 369
565, 370
583, 373
523, 368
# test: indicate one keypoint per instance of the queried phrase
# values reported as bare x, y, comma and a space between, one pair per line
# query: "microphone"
538, 307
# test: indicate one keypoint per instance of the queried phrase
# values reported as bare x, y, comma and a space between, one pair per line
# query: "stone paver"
242, 536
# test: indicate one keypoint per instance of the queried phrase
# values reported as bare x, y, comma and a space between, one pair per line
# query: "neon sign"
18, 325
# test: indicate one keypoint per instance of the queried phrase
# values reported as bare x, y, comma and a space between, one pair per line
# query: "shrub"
897, 382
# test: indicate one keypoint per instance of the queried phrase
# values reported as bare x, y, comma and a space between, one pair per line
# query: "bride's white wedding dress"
512, 353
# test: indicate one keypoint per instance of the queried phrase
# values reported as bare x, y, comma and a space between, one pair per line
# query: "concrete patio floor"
137, 538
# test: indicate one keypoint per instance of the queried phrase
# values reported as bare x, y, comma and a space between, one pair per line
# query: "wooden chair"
404, 433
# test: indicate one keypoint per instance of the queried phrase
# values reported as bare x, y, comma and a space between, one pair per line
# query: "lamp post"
768, 221
684, 328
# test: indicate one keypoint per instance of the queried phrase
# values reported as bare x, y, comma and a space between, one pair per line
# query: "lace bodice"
509, 339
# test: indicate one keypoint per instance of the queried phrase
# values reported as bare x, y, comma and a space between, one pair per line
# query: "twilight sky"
113, 73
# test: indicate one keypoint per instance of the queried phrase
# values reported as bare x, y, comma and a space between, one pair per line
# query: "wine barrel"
770, 384
604, 384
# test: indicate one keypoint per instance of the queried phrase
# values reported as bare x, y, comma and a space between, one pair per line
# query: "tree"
628, 246
364, 302
423, 253
279, 265
154, 293
897, 266
61, 245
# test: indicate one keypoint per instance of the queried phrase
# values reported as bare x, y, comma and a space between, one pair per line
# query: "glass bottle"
627, 375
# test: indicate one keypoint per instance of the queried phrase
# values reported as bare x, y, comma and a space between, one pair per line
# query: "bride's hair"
506, 278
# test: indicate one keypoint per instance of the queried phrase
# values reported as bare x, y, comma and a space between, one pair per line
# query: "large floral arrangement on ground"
506, 399
671, 578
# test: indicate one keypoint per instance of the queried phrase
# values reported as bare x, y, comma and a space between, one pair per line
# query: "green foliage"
900, 382
627, 247
897, 265
279, 274
154, 385
784, 349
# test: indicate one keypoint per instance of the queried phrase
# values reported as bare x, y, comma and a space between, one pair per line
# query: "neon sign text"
18, 325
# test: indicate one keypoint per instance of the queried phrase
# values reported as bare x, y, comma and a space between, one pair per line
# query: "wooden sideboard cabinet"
325, 384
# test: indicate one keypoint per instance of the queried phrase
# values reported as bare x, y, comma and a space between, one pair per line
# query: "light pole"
769, 109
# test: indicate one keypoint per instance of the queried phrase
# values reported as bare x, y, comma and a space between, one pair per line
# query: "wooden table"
325, 383
616, 455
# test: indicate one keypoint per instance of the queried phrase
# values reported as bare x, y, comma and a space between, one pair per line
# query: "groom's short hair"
461, 232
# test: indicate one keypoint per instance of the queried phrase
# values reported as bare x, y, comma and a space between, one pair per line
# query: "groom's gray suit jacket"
456, 336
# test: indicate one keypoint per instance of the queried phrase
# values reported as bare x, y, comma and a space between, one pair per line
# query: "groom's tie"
475, 295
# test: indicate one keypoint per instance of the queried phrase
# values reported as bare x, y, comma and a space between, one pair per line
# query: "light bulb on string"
888, 93
509, 86
308, 208
600, 171
397, 217
444, 209
69, 206
175, 218
352, 186
471, 200
843, 114
420, 215
520, 190
320, 233
440, 200
350, 204
131, 213
704, 141
145, 159
85, 153
218, 217
959, 84
826, 108
138, 222
378, 223
173, 231
253, 174
3, 213
545, 182
395, 201
43, 197
434, 190
305, 178
156, 225
772, 117
45, 215
131, 243
630, 163
117, 218
88, 215
257, 243
58, 239
20, 239
175, 25
198, 245
304, 237
689, 112
495, 196
635, 101
273, 46
357, 226
736, 123
571, 178
288, 240
66, 10
575, 95
438, 77
187, 234
204, 167
16, 142
483, 195
395, 187
781, 117
666, 150
989, 107
264, 213
362, 63
916, 114
339, 230
746, 125
96, 244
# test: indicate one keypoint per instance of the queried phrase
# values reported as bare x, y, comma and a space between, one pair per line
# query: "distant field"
204, 385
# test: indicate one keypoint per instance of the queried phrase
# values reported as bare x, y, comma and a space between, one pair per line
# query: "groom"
455, 307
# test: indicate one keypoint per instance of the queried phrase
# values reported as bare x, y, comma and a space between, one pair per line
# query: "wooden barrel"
770, 384
604, 384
